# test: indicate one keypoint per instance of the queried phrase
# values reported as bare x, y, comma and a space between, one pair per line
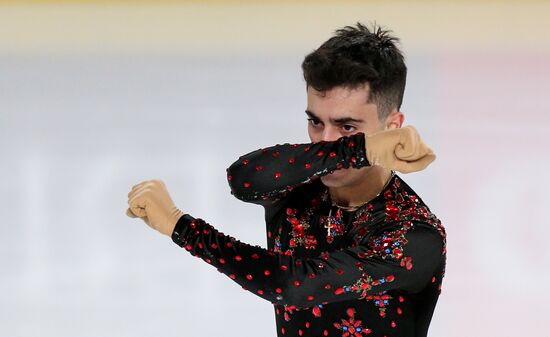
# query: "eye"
313, 121
348, 130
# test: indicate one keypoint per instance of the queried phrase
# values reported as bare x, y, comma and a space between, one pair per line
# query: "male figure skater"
352, 249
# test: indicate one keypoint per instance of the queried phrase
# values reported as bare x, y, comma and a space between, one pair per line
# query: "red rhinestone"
283, 330
214, 246
245, 161
401, 299
399, 311
232, 276
339, 291
266, 272
260, 291
229, 177
308, 165
320, 153
393, 325
238, 257
316, 311
433, 279
246, 184
339, 271
283, 267
296, 283
300, 332
277, 174
327, 286
188, 246
256, 256
291, 160
310, 298
258, 167
332, 154
325, 332
390, 278
307, 324
278, 290
248, 276
200, 245
312, 275
222, 261
229, 244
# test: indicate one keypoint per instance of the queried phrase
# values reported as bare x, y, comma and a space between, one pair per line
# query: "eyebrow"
341, 120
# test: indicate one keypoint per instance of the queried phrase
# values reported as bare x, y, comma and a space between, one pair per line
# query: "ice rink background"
96, 97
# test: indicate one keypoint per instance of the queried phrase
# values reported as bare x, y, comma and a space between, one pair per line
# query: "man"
352, 249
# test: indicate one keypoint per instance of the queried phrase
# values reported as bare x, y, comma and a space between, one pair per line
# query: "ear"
394, 120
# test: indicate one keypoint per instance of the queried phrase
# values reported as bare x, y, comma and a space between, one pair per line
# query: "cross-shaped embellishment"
328, 225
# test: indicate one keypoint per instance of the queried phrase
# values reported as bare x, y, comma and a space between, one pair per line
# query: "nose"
331, 134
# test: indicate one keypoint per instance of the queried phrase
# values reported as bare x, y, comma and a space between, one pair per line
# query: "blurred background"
97, 96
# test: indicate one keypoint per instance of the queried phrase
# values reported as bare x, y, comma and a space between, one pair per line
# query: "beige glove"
150, 201
398, 149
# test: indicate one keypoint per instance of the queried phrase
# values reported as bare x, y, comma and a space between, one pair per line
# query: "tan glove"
150, 201
398, 149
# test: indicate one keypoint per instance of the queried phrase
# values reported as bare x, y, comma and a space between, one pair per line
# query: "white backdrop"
78, 130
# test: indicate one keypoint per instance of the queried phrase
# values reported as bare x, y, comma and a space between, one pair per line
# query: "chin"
333, 179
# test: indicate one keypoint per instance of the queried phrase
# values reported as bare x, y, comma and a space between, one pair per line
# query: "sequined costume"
375, 271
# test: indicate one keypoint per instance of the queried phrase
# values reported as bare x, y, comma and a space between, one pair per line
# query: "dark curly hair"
355, 56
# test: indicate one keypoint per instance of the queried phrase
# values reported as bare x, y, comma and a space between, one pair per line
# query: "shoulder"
398, 217
412, 208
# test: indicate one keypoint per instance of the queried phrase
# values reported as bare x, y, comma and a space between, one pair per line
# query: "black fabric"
376, 271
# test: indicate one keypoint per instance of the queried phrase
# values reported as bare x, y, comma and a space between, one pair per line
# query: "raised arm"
265, 175
404, 257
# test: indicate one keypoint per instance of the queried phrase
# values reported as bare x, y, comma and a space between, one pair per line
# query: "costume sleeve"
403, 258
265, 175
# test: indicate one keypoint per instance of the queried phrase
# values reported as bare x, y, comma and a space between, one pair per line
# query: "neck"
357, 194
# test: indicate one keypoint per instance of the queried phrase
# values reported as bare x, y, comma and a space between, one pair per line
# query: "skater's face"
343, 112
340, 112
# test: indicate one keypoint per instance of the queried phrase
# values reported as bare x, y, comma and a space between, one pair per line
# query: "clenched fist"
150, 201
399, 149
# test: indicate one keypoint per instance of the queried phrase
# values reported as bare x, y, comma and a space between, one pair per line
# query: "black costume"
375, 271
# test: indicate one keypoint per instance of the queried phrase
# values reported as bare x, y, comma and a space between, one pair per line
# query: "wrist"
174, 218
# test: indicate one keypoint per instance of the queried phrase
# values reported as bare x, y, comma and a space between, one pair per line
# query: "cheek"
312, 134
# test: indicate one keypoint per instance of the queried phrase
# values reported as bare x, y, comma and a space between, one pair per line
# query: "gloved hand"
150, 201
399, 149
